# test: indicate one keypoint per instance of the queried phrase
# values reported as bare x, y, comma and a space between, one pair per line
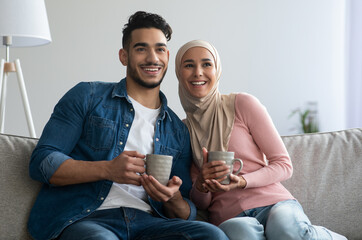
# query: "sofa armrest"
327, 178
18, 190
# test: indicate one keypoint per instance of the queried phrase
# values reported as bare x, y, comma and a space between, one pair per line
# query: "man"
90, 154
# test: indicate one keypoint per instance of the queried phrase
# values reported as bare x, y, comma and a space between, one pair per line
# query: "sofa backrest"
18, 190
327, 178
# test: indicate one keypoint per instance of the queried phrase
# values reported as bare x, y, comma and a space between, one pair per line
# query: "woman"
255, 205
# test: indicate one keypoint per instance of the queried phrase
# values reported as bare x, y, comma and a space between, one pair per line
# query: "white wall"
282, 51
354, 64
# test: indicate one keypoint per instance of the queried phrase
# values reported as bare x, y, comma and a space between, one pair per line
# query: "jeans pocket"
100, 133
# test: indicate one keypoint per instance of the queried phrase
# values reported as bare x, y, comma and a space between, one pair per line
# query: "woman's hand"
213, 185
213, 170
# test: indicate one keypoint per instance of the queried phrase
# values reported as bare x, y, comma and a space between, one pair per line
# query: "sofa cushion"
327, 178
18, 190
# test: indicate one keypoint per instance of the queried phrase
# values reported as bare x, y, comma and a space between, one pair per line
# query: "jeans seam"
165, 235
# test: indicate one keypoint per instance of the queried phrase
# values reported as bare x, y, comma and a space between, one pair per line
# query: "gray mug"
229, 159
159, 166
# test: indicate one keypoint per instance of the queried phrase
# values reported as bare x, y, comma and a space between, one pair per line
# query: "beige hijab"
209, 119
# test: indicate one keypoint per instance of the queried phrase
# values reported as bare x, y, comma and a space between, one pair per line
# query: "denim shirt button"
157, 139
131, 109
70, 221
88, 210
127, 125
120, 143
102, 198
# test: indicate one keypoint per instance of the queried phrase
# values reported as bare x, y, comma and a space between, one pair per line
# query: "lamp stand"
7, 67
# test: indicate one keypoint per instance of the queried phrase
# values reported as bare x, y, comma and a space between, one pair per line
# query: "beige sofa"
326, 180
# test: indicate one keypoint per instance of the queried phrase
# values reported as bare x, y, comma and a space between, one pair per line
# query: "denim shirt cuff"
51, 163
193, 210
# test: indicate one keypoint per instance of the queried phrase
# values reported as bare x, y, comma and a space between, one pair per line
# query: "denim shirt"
91, 122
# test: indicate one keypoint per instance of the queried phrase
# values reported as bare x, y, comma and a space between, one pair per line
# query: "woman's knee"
243, 228
287, 220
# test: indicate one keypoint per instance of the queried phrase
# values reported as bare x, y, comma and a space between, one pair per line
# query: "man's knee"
87, 230
210, 231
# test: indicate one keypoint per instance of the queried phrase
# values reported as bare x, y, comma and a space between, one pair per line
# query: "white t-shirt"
140, 139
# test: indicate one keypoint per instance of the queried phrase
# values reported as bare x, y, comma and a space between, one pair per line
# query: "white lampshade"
25, 21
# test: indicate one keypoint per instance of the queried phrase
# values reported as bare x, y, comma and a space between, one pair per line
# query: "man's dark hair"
144, 20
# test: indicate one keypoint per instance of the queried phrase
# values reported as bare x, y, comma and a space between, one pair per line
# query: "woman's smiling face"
198, 71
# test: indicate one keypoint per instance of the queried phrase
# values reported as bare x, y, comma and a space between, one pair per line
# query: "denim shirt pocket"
100, 133
164, 150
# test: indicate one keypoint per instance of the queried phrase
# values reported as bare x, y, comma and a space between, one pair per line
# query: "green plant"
307, 119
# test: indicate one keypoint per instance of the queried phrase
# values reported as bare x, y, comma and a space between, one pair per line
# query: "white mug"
159, 166
229, 159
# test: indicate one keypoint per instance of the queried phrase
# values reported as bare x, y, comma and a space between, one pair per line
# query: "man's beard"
133, 75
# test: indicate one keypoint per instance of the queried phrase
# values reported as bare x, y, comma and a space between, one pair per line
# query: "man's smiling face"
147, 57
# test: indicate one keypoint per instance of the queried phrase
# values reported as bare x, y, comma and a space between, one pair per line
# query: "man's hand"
159, 192
126, 168
121, 169
174, 204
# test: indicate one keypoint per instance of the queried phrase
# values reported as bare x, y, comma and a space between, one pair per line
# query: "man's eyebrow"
161, 45
143, 44
140, 44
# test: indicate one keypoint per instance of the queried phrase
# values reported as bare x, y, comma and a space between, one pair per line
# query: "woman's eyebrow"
188, 60
203, 60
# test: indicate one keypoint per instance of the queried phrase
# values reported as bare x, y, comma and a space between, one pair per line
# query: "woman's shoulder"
248, 107
246, 100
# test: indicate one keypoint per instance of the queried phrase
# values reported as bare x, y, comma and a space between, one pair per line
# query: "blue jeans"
285, 220
128, 223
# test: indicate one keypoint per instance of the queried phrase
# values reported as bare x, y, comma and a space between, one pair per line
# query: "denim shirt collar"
120, 90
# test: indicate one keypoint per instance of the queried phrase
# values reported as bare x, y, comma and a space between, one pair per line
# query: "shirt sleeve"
61, 133
266, 137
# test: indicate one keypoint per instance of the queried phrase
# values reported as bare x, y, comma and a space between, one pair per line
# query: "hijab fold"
209, 119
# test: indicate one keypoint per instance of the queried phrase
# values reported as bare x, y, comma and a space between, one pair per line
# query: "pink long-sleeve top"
255, 140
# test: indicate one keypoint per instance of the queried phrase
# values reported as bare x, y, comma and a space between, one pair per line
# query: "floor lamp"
23, 23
